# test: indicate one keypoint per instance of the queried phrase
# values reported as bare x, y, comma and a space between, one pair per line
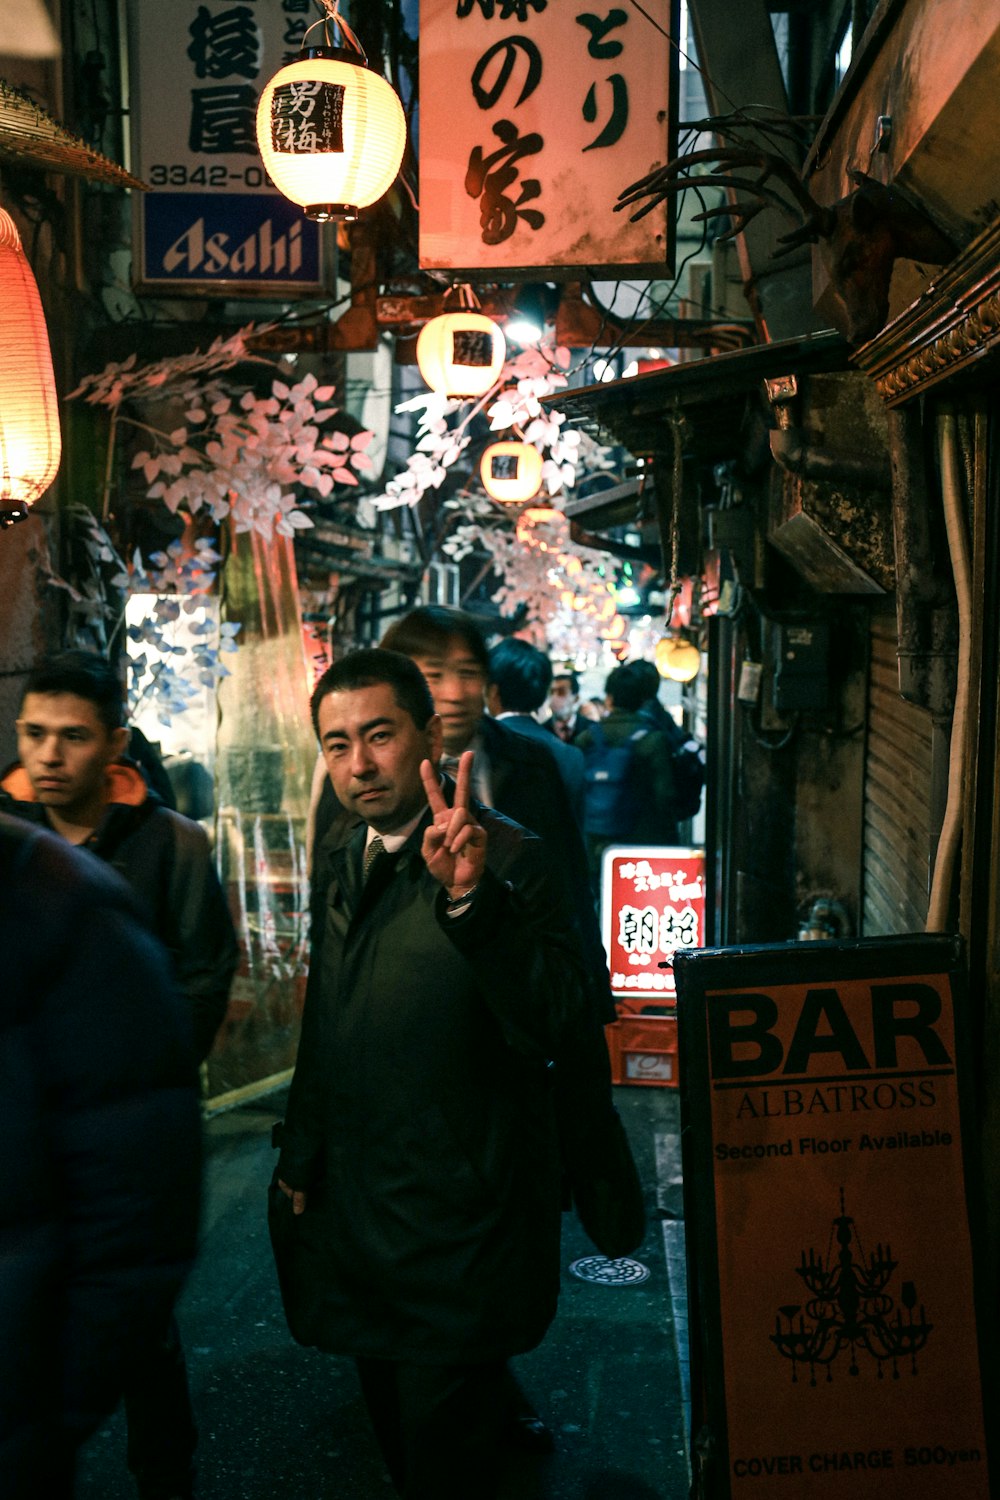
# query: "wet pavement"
277, 1420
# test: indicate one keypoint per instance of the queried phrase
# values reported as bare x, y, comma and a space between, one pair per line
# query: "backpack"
612, 794
688, 766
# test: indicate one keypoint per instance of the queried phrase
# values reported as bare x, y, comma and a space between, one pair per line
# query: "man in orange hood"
72, 780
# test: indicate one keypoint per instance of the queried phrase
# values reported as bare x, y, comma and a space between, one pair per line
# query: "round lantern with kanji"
461, 354
511, 471
331, 133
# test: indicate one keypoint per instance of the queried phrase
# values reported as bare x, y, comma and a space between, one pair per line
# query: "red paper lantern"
30, 440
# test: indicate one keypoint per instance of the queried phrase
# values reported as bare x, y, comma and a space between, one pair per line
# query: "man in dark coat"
570, 716
518, 681
420, 1145
648, 814
99, 1175
511, 772
72, 780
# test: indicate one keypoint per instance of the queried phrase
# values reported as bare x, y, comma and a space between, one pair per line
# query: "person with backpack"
628, 765
688, 753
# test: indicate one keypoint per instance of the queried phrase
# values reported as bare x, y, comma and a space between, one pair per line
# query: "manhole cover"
598, 1268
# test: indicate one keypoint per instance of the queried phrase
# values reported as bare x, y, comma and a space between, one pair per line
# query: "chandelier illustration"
849, 1308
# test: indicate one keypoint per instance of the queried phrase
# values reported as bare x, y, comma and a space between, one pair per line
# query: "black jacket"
166, 861
420, 1120
526, 786
99, 1173
568, 759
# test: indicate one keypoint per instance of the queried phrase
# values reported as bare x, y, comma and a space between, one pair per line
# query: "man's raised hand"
454, 846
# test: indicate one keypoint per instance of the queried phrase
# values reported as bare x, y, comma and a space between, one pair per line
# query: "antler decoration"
815, 221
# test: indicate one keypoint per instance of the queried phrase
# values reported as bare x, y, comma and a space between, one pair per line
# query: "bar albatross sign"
827, 1190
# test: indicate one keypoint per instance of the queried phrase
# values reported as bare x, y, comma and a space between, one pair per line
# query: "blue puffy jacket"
100, 1167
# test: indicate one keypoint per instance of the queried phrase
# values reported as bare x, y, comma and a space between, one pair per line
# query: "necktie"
373, 849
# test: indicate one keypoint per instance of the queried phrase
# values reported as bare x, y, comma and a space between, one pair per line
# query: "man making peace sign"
418, 1184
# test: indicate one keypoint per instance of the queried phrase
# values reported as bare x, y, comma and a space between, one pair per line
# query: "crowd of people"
451, 1094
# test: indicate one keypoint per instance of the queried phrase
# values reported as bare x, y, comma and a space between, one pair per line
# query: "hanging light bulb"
30, 440
531, 313
511, 471
330, 131
461, 353
677, 658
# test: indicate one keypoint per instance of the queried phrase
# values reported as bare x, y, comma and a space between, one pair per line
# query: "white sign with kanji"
534, 116
213, 216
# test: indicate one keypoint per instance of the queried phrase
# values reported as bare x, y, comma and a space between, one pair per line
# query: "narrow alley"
276, 1420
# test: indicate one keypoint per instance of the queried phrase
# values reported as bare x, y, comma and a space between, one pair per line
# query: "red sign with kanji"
652, 903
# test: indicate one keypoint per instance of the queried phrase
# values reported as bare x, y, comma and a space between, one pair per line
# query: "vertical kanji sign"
652, 903
213, 217
834, 1222
534, 115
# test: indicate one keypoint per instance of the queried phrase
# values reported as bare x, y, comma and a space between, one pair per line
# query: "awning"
710, 392
33, 138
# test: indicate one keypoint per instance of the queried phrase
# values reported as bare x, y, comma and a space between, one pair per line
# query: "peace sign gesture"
454, 847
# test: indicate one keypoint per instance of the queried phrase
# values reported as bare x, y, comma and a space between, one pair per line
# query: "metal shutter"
898, 779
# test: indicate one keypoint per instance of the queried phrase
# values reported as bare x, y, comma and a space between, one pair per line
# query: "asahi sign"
534, 115
828, 1191
213, 217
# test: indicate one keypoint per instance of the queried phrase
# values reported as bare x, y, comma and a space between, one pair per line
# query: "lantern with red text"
511, 471
331, 132
30, 440
461, 354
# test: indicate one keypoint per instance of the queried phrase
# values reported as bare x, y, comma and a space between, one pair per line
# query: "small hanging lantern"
677, 658
330, 131
461, 353
511, 471
30, 441
544, 528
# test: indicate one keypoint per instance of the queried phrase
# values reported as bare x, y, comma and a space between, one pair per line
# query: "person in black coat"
99, 1175
71, 779
419, 1154
569, 714
518, 682
511, 772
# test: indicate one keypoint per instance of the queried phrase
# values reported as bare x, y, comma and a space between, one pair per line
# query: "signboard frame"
213, 208
661, 989
740, 981
507, 78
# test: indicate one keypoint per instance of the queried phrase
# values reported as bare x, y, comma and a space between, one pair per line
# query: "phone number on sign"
217, 175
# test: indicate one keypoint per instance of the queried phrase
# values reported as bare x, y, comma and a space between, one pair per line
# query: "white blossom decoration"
243, 456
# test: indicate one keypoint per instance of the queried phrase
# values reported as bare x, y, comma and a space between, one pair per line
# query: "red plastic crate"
643, 1050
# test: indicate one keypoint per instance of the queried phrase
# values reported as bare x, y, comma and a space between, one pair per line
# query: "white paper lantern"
511, 471
677, 658
331, 133
461, 354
